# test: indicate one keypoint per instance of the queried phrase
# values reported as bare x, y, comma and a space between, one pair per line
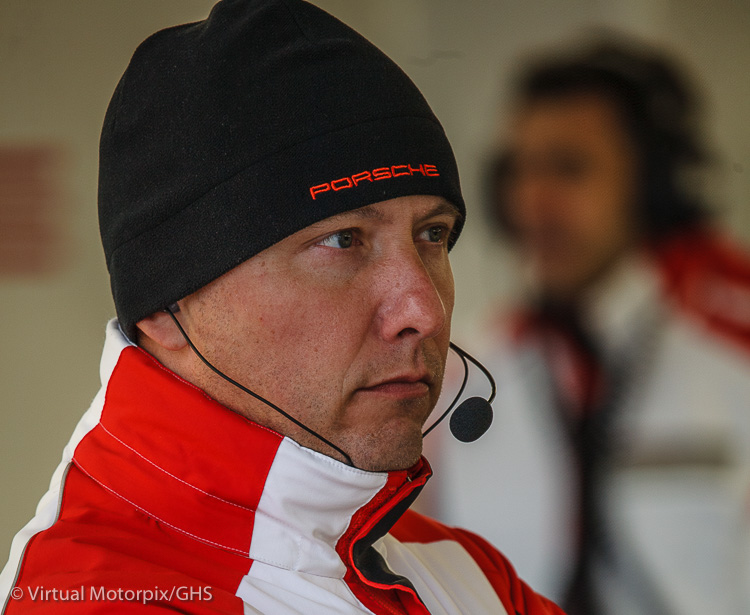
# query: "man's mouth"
402, 386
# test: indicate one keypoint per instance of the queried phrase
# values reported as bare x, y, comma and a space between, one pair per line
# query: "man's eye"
342, 239
435, 234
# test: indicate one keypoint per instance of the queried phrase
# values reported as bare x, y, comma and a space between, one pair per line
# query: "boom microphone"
471, 419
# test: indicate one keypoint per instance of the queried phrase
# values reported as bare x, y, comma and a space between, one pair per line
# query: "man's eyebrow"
442, 209
375, 212
368, 212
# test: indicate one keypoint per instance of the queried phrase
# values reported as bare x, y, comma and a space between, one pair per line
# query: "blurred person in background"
621, 446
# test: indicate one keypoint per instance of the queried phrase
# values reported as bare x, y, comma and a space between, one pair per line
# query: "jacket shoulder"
103, 555
706, 276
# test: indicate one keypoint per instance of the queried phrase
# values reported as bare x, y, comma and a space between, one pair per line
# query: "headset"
470, 420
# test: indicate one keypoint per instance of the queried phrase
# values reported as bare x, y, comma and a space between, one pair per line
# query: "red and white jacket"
167, 501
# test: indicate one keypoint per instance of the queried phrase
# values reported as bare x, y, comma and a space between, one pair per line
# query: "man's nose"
412, 303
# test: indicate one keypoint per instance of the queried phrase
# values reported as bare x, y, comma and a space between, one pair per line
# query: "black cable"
255, 395
455, 399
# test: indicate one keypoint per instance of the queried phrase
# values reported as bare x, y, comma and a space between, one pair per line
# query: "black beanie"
227, 135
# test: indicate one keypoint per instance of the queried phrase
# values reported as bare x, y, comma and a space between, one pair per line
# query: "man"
624, 384
277, 202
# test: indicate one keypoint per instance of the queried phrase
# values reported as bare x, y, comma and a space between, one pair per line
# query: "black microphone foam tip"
471, 419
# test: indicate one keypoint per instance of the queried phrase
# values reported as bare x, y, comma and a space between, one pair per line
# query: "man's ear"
161, 329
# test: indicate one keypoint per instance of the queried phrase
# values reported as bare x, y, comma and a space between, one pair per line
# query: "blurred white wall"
60, 61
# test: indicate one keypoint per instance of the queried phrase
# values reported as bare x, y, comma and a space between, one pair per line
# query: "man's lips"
400, 387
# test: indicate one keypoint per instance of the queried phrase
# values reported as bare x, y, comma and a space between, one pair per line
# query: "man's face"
345, 325
572, 190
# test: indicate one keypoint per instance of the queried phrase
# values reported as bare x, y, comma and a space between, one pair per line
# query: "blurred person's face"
571, 191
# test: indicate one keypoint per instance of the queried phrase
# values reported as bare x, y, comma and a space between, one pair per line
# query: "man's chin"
387, 450
386, 464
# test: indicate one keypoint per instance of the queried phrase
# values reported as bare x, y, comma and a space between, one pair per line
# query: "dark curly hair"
658, 110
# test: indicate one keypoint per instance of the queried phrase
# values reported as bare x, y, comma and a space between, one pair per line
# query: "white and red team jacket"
165, 501
675, 320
